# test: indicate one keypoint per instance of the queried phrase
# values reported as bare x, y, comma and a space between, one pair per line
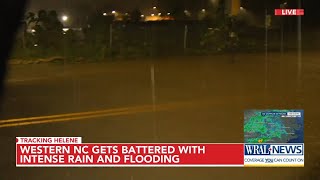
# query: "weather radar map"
274, 126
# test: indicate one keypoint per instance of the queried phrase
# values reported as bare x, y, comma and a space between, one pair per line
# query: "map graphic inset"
274, 126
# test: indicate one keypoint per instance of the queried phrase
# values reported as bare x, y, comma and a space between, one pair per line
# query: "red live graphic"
289, 12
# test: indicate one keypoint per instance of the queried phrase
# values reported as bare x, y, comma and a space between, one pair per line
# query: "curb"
36, 61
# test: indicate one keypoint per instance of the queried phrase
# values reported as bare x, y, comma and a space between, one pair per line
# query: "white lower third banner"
274, 161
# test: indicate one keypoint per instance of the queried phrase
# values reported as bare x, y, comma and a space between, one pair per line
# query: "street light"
186, 12
105, 14
65, 18
113, 12
154, 7
203, 10
65, 29
285, 4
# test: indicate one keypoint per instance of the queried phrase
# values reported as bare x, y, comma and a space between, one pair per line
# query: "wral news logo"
273, 149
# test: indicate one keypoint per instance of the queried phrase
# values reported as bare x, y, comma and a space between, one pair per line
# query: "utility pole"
23, 32
282, 6
153, 94
266, 50
299, 68
185, 38
111, 39
299, 47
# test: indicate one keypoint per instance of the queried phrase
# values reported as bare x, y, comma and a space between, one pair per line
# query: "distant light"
187, 12
159, 14
113, 12
203, 10
65, 18
126, 14
35, 45
168, 14
284, 5
152, 14
105, 14
33, 30
241, 8
154, 7
142, 15
65, 29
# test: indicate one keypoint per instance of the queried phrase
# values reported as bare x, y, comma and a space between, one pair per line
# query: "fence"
156, 39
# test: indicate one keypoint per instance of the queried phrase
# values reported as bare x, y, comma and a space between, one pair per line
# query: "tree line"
101, 37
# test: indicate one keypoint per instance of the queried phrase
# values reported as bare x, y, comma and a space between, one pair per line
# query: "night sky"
83, 7
119, 5
129, 4
89, 5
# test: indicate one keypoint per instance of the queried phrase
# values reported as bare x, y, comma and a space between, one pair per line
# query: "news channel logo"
274, 149
274, 155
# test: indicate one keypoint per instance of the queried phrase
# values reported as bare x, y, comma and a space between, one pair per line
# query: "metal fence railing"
152, 39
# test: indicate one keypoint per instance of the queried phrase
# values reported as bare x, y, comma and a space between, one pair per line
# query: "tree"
46, 29
30, 18
136, 15
97, 34
215, 14
53, 22
175, 7
216, 39
97, 31
178, 13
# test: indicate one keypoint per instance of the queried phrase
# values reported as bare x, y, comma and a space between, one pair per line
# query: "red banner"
35, 153
289, 12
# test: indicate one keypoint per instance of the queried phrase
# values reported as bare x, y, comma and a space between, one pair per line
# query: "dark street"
193, 99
